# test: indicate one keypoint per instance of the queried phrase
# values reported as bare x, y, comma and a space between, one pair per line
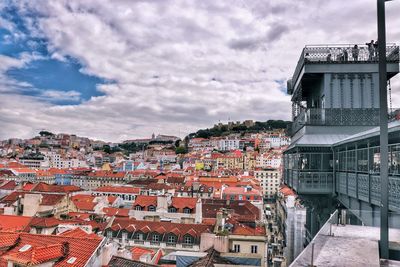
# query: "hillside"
223, 130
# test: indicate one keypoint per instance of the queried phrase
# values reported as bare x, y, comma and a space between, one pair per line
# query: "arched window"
188, 239
137, 207
187, 210
171, 239
155, 237
151, 208
172, 209
138, 236
109, 234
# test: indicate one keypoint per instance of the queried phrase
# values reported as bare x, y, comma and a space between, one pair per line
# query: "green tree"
45, 133
180, 150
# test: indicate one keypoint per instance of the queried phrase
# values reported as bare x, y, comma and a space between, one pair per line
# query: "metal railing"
343, 54
346, 225
307, 256
336, 117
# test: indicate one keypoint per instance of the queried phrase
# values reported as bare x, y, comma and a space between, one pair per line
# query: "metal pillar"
383, 119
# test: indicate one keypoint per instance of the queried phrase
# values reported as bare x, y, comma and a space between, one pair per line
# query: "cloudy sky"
122, 69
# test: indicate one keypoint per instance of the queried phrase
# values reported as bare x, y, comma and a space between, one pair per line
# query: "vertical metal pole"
383, 119
312, 254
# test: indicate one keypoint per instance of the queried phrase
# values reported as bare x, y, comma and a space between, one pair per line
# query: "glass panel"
327, 162
376, 159
362, 160
342, 161
394, 164
351, 160
315, 161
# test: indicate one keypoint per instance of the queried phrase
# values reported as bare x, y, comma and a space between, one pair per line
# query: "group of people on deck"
343, 54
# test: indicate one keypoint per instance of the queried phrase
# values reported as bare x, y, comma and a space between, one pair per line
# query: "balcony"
311, 182
339, 54
335, 117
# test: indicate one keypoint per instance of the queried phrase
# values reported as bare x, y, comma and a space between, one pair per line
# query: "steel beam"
383, 121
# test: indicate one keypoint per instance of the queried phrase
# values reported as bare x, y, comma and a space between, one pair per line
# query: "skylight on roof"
24, 248
71, 260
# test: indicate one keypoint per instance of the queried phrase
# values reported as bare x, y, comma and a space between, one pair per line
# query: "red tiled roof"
286, 191
111, 199
45, 222
184, 202
137, 252
109, 174
43, 187
116, 212
79, 215
11, 185
51, 199
241, 191
14, 164
8, 240
119, 189
240, 229
157, 186
13, 223
28, 186
145, 201
84, 202
79, 233
243, 210
38, 255
12, 197
132, 225
44, 248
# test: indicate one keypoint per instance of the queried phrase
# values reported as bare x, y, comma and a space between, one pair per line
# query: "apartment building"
270, 180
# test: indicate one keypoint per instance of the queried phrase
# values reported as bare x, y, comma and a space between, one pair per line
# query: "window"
155, 238
152, 208
232, 197
188, 239
172, 209
139, 236
138, 207
109, 234
187, 210
124, 236
171, 239
254, 249
248, 197
240, 197
236, 248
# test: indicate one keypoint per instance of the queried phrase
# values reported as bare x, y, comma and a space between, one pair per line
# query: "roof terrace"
339, 54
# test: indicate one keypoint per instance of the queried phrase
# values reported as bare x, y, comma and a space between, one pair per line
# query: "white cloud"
180, 65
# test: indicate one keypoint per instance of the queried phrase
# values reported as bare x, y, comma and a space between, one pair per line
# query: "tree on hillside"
45, 133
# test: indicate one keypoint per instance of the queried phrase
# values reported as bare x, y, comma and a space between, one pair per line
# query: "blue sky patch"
45, 74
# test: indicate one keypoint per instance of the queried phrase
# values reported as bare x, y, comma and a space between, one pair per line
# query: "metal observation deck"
334, 153
339, 54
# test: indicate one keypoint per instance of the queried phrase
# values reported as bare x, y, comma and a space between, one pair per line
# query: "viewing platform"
316, 59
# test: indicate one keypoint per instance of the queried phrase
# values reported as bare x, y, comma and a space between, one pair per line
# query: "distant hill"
226, 129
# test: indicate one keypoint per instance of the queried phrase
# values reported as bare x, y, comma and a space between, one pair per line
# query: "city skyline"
120, 70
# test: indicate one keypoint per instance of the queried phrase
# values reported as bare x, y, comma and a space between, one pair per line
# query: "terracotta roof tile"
14, 223
145, 201
11, 185
148, 226
79, 233
50, 247
119, 189
119, 212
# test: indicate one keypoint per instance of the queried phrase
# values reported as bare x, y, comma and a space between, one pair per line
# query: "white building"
269, 160
277, 140
270, 180
229, 143
295, 228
